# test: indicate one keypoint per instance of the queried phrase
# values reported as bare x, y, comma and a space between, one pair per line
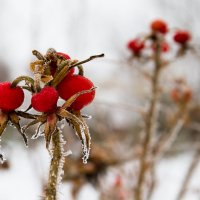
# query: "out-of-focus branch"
189, 175
150, 122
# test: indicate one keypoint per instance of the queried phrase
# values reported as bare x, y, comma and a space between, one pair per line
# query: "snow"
30, 168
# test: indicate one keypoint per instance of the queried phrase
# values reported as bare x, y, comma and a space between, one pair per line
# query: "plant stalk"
55, 167
149, 122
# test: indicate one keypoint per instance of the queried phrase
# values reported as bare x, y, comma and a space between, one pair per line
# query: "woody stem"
149, 122
56, 160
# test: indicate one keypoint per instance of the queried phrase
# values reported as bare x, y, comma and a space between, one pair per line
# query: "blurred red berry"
176, 95
165, 47
74, 84
10, 98
45, 100
181, 95
159, 26
181, 37
187, 95
136, 45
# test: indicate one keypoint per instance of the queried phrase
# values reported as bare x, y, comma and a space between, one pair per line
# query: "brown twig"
87, 60
150, 121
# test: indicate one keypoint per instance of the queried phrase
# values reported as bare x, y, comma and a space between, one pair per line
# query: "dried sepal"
69, 102
87, 137
38, 55
50, 128
40, 118
59, 75
81, 130
46, 78
37, 66
15, 121
26, 115
67, 115
3, 121
80, 70
37, 134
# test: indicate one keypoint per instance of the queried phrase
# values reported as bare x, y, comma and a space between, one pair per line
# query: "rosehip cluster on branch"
181, 93
54, 78
159, 30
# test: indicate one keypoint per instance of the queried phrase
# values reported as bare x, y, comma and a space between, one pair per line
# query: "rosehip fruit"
45, 100
74, 84
159, 26
136, 45
10, 98
67, 57
181, 37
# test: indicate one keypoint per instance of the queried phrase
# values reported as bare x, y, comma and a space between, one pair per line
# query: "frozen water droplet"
67, 153
38, 132
62, 124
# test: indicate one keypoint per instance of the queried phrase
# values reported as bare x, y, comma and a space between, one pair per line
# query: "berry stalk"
55, 167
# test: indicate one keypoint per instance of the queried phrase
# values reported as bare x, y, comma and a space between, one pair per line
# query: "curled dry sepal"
54, 78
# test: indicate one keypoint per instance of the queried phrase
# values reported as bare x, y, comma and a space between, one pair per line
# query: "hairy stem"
149, 122
56, 164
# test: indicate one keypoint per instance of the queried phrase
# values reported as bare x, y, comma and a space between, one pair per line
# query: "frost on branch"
53, 78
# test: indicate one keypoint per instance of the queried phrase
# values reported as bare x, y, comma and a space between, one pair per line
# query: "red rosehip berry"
74, 84
45, 100
10, 98
182, 37
67, 57
159, 26
136, 46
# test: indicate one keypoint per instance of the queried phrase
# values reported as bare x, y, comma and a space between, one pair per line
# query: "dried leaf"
46, 78
50, 128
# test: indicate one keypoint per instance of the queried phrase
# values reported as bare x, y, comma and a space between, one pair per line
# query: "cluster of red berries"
181, 37
54, 78
46, 99
181, 95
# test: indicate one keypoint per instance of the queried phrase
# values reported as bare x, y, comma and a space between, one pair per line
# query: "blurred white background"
82, 28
